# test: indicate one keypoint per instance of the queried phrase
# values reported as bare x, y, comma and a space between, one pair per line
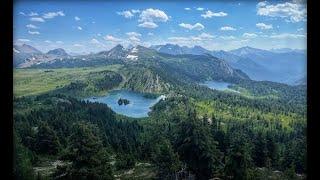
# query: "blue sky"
94, 26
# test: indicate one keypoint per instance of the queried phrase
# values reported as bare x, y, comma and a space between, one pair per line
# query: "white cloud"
30, 14
47, 41
76, 18
300, 29
23, 40
134, 11
133, 34
33, 14
203, 39
98, 43
264, 26
200, 9
199, 38
197, 26
148, 17
204, 36
134, 39
287, 36
249, 35
148, 25
126, 14
33, 32
111, 38
31, 26
153, 15
80, 28
94, 41
51, 15
37, 19
188, 9
227, 28
227, 37
210, 14
78, 45
291, 11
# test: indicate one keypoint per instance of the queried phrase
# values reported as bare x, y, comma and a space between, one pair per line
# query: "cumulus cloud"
94, 41
264, 26
201, 37
188, 9
210, 14
80, 28
200, 9
37, 19
148, 25
111, 38
23, 40
33, 14
78, 45
227, 28
133, 34
76, 18
31, 26
249, 35
134, 11
153, 15
149, 17
97, 43
294, 11
34, 32
227, 37
29, 14
300, 29
197, 26
126, 14
51, 15
287, 36
134, 39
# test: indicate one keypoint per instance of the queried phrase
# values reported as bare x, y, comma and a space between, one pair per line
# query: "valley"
176, 105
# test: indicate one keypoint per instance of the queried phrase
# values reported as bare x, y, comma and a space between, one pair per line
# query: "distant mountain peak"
27, 49
118, 47
58, 52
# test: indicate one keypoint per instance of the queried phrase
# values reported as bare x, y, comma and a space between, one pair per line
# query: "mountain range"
282, 65
278, 65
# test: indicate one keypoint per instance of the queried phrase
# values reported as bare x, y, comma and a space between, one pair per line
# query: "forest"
219, 135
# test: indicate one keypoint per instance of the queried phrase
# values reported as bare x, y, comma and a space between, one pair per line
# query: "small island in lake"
123, 101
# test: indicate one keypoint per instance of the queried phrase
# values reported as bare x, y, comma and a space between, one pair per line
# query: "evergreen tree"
166, 160
197, 148
88, 156
47, 141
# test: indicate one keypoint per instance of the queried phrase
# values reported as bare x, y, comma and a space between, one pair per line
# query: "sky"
84, 27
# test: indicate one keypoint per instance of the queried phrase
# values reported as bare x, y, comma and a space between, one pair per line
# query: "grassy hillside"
89, 81
36, 81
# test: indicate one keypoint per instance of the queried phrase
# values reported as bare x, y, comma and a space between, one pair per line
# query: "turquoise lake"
138, 107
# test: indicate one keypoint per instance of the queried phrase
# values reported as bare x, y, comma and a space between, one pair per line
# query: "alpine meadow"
160, 90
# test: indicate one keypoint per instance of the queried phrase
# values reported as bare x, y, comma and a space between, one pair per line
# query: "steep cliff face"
144, 80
